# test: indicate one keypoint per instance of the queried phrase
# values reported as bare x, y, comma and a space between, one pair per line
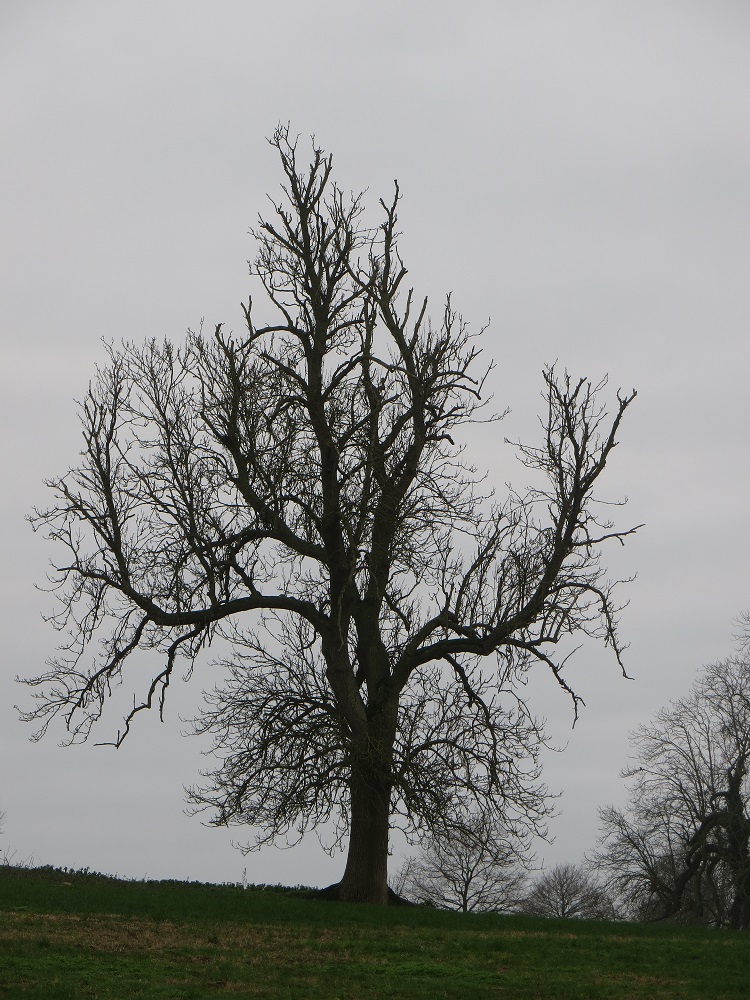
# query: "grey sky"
575, 171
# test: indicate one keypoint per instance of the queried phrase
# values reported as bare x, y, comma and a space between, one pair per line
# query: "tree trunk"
365, 877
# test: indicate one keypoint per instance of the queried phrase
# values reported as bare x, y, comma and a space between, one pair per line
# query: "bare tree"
5, 858
476, 867
299, 491
681, 848
569, 891
9, 858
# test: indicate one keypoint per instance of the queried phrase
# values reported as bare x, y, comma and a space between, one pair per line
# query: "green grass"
80, 936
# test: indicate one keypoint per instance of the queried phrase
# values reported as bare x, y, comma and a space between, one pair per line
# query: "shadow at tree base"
332, 893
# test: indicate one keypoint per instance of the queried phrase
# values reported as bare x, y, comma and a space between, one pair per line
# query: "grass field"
70, 935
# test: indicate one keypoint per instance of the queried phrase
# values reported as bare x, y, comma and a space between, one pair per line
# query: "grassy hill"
81, 936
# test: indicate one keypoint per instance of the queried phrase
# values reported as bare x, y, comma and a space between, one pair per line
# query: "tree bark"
365, 878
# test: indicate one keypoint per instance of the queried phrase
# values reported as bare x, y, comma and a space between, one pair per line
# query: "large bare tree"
298, 490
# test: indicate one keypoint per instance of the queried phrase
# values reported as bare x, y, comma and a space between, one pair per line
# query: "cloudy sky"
576, 171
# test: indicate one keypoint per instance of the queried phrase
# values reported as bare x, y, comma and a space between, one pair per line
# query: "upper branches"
534, 576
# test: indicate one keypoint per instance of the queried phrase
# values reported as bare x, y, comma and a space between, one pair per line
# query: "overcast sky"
576, 172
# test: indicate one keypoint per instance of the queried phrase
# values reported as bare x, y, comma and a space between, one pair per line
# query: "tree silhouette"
681, 848
476, 868
569, 891
299, 491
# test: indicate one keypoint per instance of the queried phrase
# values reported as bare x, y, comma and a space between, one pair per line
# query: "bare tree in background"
9, 858
569, 891
477, 867
298, 491
681, 848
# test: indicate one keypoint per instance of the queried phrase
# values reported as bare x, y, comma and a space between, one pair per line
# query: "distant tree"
9, 857
5, 858
298, 491
681, 847
569, 891
476, 867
